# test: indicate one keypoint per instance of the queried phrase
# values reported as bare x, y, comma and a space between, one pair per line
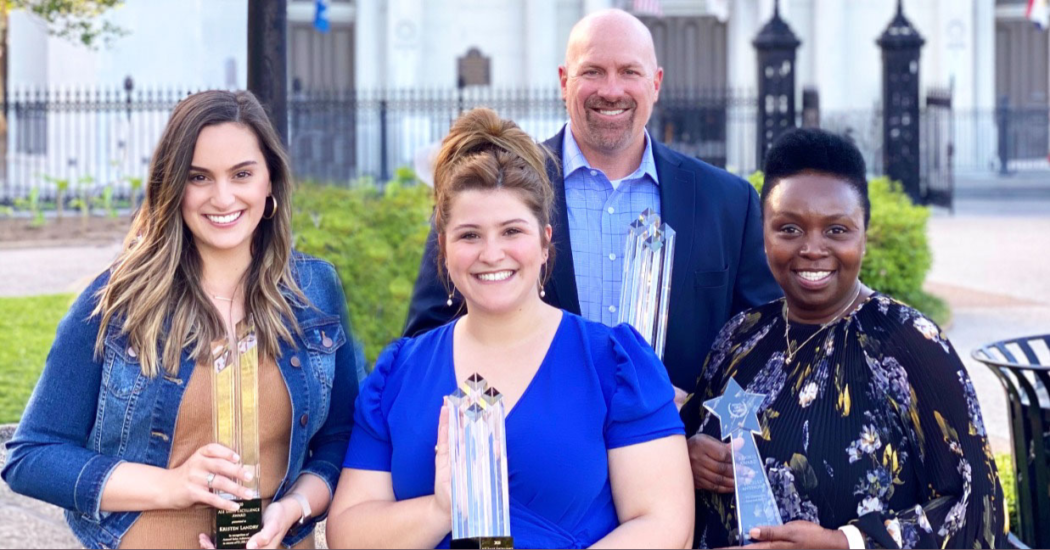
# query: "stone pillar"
370, 45
901, 47
776, 47
541, 44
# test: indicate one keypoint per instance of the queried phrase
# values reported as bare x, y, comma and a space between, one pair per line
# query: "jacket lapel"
678, 209
561, 288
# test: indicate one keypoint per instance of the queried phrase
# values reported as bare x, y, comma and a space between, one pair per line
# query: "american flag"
1039, 12
647, 7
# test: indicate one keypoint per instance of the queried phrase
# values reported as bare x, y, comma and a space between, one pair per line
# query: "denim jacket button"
327, 342
131, 352
304, 419
296, 362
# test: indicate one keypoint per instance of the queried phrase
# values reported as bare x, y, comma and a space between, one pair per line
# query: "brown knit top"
193, 430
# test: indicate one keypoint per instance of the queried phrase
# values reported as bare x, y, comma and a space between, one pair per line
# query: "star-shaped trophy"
737, 413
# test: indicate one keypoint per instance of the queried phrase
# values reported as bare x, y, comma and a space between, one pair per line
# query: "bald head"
611, 27
610, 82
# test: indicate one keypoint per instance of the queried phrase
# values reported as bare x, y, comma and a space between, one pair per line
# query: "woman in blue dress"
596, 454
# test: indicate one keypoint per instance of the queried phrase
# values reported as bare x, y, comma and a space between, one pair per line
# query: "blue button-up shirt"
599, 216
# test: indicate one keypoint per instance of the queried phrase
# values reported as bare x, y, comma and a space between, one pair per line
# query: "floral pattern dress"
874, 423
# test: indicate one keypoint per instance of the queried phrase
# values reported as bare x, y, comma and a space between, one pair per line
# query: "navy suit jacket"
719, 260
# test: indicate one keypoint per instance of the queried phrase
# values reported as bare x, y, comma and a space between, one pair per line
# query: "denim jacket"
87, 415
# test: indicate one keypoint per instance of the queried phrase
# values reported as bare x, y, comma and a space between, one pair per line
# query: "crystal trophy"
235, 418
477, 446
737, 412
647, 262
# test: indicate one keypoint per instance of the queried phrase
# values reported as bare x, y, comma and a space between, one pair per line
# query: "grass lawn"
27, 328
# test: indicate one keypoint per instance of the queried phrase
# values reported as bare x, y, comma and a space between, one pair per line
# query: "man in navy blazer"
610, 82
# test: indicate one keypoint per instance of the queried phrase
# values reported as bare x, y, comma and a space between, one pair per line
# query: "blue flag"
321, 16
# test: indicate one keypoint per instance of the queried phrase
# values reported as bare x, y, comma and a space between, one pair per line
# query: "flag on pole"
719, 9
321, 15
1039, 13
647, 7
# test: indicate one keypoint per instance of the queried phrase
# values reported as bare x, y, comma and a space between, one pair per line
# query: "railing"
93, 139
88, 140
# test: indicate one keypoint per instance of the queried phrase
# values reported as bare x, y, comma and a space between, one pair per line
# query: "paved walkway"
989, 264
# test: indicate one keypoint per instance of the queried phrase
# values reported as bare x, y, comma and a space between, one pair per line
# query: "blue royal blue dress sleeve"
370, 446
642, 407
597, 389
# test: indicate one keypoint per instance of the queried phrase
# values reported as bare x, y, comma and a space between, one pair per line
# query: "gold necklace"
787, 328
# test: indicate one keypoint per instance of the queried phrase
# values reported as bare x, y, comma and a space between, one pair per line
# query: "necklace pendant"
787, 361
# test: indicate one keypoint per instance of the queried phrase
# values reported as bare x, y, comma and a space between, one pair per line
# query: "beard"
606, 135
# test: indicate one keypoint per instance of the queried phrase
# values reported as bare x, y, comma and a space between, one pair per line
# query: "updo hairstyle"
483, 152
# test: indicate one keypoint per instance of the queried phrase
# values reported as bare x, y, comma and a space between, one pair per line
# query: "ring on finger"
209, 479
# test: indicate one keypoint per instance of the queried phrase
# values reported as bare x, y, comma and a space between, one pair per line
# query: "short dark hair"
812, 150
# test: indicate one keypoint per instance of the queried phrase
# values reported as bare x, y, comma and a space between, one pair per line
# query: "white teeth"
228, 218
497, 276
814, 275
611, 113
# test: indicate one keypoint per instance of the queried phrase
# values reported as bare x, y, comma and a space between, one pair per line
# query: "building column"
369, 45
541, 48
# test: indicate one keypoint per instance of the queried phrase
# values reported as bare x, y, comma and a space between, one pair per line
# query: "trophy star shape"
737, 413
736, 410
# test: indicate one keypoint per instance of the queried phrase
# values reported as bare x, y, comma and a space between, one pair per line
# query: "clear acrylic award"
477, 446
737, 412
647, 262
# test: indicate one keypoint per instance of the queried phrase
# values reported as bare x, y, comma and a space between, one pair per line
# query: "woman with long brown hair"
119, 428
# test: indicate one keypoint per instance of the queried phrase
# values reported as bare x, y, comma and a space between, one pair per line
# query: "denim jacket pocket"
122, 374
322, 338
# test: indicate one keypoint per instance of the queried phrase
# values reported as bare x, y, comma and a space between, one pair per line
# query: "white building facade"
981, 49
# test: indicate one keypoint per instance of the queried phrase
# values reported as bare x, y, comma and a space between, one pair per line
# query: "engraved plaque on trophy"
235, 418
477, 446
647, 261
737, 412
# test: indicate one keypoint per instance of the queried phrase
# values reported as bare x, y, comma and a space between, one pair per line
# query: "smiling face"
815, 240
227, 186
610, 82
494, 249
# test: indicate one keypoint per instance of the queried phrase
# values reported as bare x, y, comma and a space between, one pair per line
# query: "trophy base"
233, 529
483, 542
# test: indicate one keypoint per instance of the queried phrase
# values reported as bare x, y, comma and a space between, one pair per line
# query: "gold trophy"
235, 417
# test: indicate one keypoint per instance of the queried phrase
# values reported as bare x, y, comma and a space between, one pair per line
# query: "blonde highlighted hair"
485, 152
154, 291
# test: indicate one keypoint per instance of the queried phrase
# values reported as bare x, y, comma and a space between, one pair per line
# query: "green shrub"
375, 239
1005, 464
898, 254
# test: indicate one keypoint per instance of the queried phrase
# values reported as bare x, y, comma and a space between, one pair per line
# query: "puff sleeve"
370, 447
641, 407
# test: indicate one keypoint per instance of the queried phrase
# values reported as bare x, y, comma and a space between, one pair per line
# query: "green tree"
75, 20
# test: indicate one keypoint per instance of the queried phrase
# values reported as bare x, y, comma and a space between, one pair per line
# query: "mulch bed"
68, 231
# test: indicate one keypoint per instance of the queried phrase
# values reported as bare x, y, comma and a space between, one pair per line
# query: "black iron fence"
90, 140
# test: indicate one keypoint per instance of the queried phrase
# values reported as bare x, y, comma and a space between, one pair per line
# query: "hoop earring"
273, 212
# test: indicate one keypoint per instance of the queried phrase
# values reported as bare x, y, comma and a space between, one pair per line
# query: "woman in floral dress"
871, 432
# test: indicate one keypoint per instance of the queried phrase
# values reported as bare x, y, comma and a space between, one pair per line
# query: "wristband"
304, 504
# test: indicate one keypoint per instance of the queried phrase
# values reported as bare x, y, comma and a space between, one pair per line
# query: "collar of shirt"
573, 159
